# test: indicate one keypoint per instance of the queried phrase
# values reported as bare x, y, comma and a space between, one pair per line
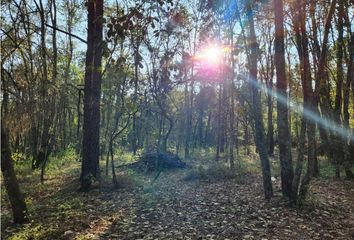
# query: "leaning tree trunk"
92, 92
307, 125
311, 98
12, 187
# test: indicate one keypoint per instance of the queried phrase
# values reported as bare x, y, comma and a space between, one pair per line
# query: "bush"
152, 161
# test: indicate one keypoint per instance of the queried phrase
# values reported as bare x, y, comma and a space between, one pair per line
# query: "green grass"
60, 168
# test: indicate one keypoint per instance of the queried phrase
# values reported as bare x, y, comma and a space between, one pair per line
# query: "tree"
19, 209
285, 157
92, 95
256, 109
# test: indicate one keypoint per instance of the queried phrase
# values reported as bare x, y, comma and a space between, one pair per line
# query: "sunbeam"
310, 115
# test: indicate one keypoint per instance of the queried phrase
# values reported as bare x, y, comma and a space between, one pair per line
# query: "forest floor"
173, 208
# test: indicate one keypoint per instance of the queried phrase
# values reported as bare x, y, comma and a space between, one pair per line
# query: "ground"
172, 208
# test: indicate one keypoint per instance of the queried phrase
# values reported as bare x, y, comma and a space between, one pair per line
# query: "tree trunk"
232, 111
338, 143
270, 132
50, 101
189, 119
135, 96
284, 138
299, 163
257, 108
219, 127
18, 205
346, 118
92, 93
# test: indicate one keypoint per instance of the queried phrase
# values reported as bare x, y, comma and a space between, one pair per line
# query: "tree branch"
67, 33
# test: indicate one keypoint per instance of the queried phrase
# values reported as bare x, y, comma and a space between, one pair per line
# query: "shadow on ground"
171, 208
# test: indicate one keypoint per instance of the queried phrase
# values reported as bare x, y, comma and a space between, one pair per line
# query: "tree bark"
299, 163
18, 205
92, 93
346, 97
338, 143
257, 108
284, 138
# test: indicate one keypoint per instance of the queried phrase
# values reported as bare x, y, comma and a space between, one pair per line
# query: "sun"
211, 55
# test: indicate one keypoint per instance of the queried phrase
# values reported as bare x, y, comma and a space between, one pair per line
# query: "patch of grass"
34, 232
60, 161
43, 200
207, 154
247, 163
327, 170
124, 157
212, 173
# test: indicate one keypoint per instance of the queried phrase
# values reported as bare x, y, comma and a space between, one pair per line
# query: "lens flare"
342, 132
211, 55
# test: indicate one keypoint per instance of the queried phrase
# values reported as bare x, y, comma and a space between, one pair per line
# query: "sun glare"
211, 55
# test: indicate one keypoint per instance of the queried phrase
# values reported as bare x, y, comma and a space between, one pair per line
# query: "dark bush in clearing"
152, 161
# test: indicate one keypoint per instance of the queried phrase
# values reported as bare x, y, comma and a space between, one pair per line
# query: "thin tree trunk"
135, 96
50, 101
257, 109
219, 127
299, 163
270, 132
232, 111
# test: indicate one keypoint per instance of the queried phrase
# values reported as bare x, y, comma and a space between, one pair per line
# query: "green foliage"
34, 232
61, 159
18, 158
327, 169
124, 157
203, 156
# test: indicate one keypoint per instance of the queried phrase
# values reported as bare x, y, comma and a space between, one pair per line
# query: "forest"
177, 119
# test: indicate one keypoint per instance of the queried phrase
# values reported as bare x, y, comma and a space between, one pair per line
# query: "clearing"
173, 208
